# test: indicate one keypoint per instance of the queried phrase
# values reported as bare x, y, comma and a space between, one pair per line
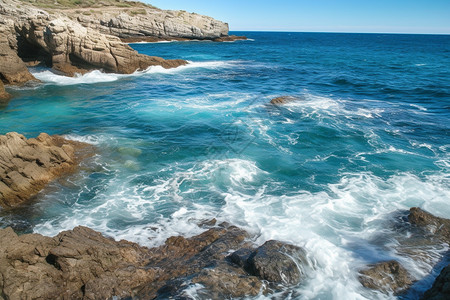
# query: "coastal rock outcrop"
4, 96
12, 69
75, 37
432, 226
83, 264
31, 35
147, 21
27, 165
441, 287
388, 276
418, 232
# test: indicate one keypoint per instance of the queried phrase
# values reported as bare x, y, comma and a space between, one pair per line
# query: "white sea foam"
319, 107
97, 76
335, 226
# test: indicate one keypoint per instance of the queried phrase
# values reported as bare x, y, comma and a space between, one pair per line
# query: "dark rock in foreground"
83, 264
27, 165
387, 277
441, 287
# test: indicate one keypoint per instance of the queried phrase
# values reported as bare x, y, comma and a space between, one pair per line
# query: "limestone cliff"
78, 36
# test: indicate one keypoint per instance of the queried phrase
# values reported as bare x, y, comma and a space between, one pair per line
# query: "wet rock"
230, 38
387, 277
283, 100
27, 165
4, 96
441, 287
83, 264
278, 262
432, 226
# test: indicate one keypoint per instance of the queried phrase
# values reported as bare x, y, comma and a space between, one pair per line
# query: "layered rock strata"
76, 38
83, 264
31, 35
27, 165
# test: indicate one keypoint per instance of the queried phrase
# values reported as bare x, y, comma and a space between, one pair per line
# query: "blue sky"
394, 16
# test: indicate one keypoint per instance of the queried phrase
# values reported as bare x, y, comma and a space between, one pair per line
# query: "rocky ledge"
83, 264
27, 165
79, 36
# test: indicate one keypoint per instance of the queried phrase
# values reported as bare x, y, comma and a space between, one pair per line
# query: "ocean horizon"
335, 171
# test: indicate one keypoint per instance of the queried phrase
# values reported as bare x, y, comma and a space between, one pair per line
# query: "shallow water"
368, 137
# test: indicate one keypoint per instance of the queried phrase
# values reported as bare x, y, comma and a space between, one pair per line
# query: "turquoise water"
368, 137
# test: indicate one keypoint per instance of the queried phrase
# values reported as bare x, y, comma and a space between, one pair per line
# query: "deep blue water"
368, 136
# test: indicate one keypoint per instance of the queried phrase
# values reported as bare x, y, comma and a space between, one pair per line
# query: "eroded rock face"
152, 22
83, 264
62, 43
27, 165
12, 69
441, 287
4, 96
387, 277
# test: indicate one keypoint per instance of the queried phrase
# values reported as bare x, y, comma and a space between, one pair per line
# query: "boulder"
278, 262
27, 165
387, 277
283, 100
441, 287
83, 264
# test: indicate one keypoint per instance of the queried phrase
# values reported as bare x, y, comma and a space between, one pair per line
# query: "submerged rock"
441, 287
283, 100
83, 264
387, 277
27, 165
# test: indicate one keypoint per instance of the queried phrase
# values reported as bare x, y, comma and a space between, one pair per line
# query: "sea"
367, 139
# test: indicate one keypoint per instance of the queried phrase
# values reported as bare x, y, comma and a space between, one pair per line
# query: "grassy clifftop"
71, 4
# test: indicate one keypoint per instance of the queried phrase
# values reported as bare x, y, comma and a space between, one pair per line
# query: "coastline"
231, 272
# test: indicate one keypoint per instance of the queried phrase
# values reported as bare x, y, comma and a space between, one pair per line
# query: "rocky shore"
27, 165
84, 35
84, 264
